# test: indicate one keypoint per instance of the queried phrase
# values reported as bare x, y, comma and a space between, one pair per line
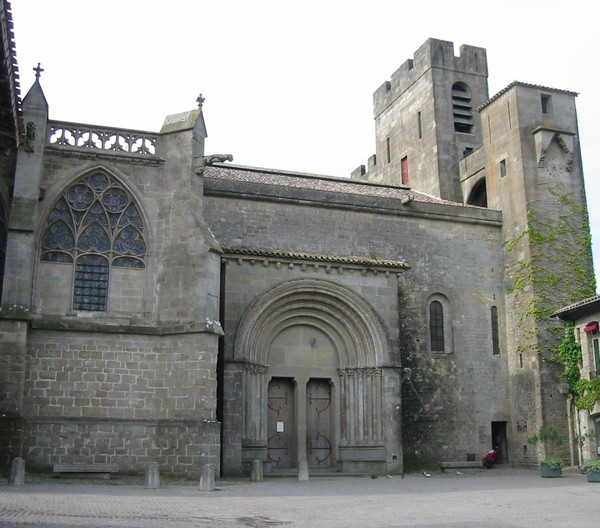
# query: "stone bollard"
302, 470
152, 476
256, 474
17, 472
207, 478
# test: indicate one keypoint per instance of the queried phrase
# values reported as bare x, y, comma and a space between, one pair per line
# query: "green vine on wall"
585, 393
558, 270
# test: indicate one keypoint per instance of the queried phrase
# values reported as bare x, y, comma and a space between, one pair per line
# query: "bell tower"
426, 119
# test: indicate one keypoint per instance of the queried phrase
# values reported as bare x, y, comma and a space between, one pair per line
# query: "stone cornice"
125, 326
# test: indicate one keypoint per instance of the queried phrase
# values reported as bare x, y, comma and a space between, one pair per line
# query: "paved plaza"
499, 498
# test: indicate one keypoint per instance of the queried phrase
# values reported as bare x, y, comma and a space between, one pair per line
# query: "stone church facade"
160, 304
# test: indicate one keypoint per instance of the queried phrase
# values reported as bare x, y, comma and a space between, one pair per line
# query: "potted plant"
592, 469
551, 466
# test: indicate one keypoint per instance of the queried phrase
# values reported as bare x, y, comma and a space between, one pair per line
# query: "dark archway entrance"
478, 195
499, 441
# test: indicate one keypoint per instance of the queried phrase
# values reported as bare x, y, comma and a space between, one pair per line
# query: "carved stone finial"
200, 100
38, 71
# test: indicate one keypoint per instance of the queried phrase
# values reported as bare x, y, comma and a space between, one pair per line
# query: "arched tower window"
94, 225
462, 109
436, 326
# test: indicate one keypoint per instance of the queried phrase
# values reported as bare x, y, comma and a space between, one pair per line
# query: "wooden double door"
286, 422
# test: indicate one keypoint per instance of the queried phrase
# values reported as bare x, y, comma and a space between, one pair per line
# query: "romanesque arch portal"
316, 364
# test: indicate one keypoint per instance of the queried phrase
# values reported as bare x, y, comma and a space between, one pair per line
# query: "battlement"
432, 54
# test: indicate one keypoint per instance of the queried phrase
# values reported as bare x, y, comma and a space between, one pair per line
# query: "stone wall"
178, 446
126, 399
447, 403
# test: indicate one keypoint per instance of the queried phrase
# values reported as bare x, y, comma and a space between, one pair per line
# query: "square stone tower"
426, 119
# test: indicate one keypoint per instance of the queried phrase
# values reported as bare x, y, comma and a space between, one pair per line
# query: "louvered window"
462, 108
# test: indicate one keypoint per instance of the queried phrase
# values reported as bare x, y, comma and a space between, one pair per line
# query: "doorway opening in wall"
319, 424
499, 441
284, 424
281, 434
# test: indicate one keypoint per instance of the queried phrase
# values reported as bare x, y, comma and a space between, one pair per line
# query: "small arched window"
436, 326
462, 109
94, 225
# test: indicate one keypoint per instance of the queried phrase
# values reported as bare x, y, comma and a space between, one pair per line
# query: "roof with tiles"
315, 257
316, 182
585, 303
526, 85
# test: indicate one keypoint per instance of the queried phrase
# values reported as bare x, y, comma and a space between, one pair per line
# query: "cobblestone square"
499, 498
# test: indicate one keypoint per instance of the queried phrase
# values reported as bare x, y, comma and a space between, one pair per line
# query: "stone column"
361, 402
301, 421
255, 427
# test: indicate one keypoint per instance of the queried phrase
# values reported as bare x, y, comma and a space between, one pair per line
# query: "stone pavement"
498, 498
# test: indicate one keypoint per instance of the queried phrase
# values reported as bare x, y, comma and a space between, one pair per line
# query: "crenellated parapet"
432, 54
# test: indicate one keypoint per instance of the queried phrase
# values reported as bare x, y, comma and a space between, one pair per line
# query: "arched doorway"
316, 359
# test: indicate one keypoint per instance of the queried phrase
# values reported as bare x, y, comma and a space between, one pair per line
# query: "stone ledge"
126, 326
464, 464
85, 468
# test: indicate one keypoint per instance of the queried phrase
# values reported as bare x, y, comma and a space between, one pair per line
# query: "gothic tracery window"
96, 226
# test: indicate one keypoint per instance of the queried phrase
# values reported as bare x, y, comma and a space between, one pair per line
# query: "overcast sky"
289, 84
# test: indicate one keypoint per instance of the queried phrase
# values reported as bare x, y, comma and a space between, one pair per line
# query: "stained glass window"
96, 225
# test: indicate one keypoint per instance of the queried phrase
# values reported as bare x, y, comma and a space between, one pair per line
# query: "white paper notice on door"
280, 427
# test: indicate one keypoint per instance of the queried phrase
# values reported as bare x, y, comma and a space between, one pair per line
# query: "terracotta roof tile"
315, 257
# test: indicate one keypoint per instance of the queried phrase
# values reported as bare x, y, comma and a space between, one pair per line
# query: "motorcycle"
489, 460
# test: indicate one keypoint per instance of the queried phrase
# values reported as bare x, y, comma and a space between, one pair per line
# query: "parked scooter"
489, 460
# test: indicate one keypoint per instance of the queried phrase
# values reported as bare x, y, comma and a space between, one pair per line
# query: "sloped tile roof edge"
578, 304
315, 257
526, 85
